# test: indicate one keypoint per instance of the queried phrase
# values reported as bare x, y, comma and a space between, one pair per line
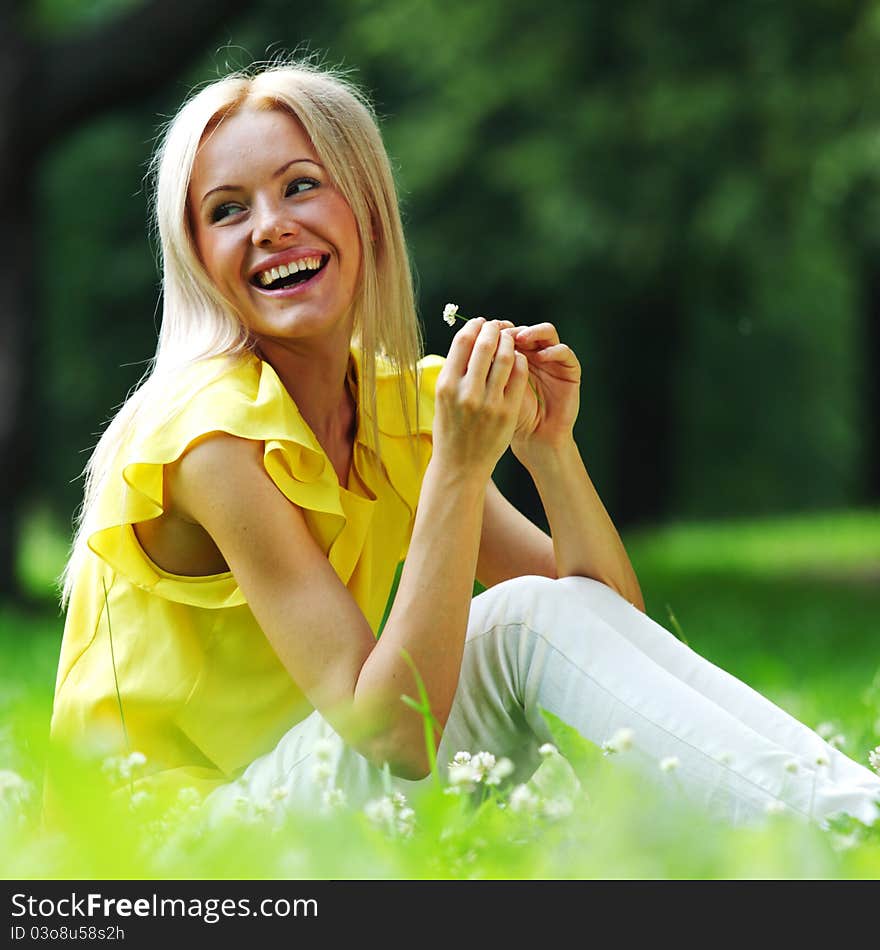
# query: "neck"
314, 373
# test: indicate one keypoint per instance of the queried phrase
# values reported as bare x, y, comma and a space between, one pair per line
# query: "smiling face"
276, 238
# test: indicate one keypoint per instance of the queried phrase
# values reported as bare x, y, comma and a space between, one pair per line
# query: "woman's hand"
479, 397
552, 399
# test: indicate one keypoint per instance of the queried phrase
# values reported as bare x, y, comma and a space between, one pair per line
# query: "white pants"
576, 648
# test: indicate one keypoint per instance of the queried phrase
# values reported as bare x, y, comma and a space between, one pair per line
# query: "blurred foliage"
691, 192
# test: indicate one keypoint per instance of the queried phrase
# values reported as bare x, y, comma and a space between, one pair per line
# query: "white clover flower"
15, 791
115, 768
502, 768
380, 811
323, 750
825, 729
334, 798
548, 749
137, 760
139, 799
406, 821
556, 808
670, 763
463, 777
775, 808
449, 313
524, 800
461, 758
322, 773
621, 741
482, 763
821, 759
791, 766
874, 759
263, 808
189, 797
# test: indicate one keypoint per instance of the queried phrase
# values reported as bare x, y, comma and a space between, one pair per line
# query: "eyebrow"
275, 174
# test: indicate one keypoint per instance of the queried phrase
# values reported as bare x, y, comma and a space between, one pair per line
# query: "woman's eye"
299, 185
224, 210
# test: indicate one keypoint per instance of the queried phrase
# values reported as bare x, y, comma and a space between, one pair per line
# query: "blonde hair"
197, 322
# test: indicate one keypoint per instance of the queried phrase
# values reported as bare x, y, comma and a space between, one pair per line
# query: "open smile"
290, 278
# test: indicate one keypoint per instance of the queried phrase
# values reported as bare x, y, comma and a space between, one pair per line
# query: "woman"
247, 508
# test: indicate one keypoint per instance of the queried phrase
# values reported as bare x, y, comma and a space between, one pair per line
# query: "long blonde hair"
197, 322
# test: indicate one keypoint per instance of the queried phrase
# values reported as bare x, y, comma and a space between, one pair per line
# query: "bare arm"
308, 615
584, 540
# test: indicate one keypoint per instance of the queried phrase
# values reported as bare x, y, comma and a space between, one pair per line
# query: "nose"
273, 225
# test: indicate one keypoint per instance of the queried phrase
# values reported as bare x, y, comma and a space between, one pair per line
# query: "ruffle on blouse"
246, 398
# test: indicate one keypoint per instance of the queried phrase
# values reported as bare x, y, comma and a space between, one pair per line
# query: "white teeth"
285, 270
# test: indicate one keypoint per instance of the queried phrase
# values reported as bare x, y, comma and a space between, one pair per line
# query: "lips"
288, 272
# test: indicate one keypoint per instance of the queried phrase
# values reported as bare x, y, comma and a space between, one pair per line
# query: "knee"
513, 601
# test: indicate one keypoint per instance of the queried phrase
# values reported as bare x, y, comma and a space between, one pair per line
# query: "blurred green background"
689, 190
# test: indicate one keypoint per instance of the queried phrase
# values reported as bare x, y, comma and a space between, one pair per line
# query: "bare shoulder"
308, 615
219, 468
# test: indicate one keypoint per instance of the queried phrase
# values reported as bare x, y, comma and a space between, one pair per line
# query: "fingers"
502, 365
538, 337
461, 346
482, 355
560, 353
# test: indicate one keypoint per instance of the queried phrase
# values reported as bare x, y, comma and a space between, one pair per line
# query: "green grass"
788, 605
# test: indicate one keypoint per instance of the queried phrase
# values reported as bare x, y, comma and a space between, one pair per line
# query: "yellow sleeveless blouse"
202, 692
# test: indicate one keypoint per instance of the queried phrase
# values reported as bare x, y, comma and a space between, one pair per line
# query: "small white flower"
13, 786
334, 798
463, 777
323, 750
844, 842
406, 821
461, 758
189, 797
449, 313
502, 768
263, 808
670, 763
821, 759
775, 808
548, 749
874, 759
523, 799
825, 729
322, 773
139, 798
621, 741
482, 763
557, 808
137, 760
791, 766
380, 811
